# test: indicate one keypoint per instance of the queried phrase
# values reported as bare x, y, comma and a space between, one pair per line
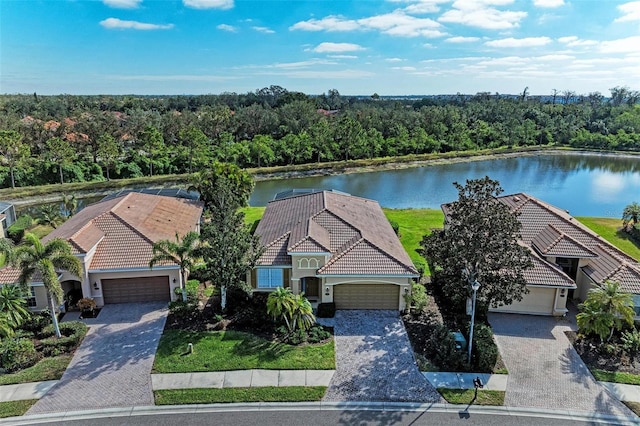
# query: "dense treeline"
48, 139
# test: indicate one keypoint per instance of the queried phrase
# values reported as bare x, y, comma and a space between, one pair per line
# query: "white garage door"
366, 296
538, 301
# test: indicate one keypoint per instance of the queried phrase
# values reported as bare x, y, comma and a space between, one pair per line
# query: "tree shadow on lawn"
264, 350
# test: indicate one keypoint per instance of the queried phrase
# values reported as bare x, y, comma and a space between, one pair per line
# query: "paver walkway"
544, 369
112, 366
374, 360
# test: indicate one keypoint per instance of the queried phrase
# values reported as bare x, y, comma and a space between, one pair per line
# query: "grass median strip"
228, 395
45, 369
615, 377
233, 350
465, 396
15, 408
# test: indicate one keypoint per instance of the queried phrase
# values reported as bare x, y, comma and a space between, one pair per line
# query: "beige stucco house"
569, 259
114, 241
333, 247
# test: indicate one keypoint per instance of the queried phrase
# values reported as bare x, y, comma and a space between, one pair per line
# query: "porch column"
295, 285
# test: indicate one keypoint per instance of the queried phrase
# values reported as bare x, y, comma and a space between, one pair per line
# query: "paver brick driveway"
374, 360
544, 369
112, 366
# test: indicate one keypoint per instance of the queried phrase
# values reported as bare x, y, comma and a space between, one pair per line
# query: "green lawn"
252, 215
232, 350
15, 408
615, 377
465, 396
46, 369
225, 395
609, 229
633, 406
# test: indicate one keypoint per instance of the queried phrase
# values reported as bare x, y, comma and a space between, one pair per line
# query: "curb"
321, 406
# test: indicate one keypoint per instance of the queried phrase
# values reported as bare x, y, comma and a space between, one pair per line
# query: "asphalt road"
325, 417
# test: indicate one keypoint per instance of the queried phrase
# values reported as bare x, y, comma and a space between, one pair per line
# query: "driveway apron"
112, 366
374, 360
544, 369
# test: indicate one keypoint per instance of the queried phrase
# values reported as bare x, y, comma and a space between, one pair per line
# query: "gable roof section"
336, 221
610, 266
275, 254
553, 242
545, 274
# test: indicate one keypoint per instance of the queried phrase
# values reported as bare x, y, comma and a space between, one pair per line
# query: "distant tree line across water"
65, 138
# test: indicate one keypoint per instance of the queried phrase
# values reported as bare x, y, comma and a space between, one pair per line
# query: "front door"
310, 287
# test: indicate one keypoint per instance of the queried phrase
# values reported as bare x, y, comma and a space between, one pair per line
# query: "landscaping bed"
607, 361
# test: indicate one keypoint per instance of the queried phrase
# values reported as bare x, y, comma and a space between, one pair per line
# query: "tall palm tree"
35, 257
606, 309
13, 308
631, 215
302, 313
181, 252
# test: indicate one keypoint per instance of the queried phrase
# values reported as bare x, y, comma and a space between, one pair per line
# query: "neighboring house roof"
554, 232
121, 231
352, 230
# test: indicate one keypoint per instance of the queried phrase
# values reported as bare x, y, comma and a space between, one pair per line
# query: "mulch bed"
595, 355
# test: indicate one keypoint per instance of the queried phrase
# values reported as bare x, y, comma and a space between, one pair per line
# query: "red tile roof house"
334, 247
569, 259
113, 239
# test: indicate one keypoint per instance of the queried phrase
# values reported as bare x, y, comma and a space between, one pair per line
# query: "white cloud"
460, 39
573, 41
342, 56
263, 30
396, 23
179, 77
480, 14
394, 60
228, 28
519, 42
327, 47
330, 75
404, 68
123, 4
115, 23
548, 3
424, 6
631, 12
622, 45
208, 4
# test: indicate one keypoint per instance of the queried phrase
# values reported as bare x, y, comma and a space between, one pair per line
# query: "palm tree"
302, 313
605, 310
630, 215
280, 304
35, 257
70, 203
49, 214
6, 251
181, 252
13, 308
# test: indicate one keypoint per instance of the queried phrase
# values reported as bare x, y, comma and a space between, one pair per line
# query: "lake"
598, 185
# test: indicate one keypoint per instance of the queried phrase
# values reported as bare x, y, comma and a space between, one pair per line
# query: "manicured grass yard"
45, 369
252, 214
633, 406
233, 350
465, 396
15, 408
616, 377
609, 229
226, 395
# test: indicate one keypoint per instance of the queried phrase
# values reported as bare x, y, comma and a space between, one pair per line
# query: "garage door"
143, 289
366, 296
538, 301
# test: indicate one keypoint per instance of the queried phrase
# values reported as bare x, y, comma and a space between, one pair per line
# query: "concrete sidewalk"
242, 379
34, 390
465, 380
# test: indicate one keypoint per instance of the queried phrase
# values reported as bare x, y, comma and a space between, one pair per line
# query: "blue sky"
394, 47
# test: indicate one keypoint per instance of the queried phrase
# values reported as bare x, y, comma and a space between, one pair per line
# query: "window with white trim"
270, 278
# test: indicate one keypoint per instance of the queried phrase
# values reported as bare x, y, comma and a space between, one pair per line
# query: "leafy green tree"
13, 308
13, 151
261, 151
109, 151
196, 147
630, 215
60, 152
605, 310
70, 204
6, 251
229, 250
480, 242
153, 145
182, 252
33, 257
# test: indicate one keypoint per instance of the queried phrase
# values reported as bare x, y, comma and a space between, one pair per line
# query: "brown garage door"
143, 289
366, 296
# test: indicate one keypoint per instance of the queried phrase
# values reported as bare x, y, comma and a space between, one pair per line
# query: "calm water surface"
584, 184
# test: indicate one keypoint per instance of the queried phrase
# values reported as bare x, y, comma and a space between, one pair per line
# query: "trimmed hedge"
72, 334
326, 310
484, 351
16, 354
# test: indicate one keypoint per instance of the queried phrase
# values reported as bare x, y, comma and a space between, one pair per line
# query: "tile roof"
122, 230
276, 253
354, 230
545, 274
553, 242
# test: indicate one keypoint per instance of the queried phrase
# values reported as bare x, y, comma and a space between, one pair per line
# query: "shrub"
441, 349
72, 334
37, 322
395, 226
183, 310
326, 310
317, 334
631, 341
484, 351
86, 304
16, 354
17, 229
417, 299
